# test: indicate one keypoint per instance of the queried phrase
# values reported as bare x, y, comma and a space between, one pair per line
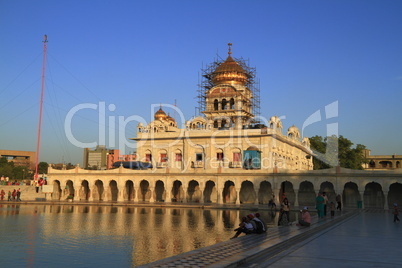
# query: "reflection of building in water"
227, 155
154, 233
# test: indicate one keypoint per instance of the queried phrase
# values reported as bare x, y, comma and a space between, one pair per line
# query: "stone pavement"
370, 239
257, 250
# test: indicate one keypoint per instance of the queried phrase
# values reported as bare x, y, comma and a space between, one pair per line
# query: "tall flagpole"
40, 108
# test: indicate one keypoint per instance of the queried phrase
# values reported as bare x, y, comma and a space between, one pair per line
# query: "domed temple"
225, 155
227, 135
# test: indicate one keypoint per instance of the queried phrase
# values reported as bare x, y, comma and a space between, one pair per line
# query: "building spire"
229, 49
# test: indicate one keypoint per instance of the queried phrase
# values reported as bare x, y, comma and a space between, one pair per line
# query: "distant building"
114, 156
96, 158
384, 162
20, 158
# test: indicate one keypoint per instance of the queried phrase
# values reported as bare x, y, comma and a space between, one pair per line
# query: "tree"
42, 167
318, 145
8, 169
331, 151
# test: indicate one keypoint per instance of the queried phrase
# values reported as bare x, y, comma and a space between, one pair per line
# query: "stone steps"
239, 251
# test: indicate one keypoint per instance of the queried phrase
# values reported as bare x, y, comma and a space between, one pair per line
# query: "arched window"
216, 124
216, 105
178, 157
231, 104
223, 123
372, 164
219, 155
163, 157
148, 156
386, 164
224, 104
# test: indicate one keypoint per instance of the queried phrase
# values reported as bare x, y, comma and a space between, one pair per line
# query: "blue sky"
134, 55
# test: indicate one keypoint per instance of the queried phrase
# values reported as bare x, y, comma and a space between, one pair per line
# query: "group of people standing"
322, 205
12, 196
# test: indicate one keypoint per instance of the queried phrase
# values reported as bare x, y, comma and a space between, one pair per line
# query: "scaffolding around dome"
206, 82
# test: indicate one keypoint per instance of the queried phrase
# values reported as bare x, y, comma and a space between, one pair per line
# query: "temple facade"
226, 136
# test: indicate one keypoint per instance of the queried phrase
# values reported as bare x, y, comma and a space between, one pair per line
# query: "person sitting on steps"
244, 227
305, 218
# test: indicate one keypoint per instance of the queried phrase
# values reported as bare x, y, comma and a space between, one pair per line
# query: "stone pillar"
296, 205
106, 193
386, 205
361, 194
168, 195
151, 198
219, 200
91, 195
168, 189
237, 195
277, 198
256, 190
77, 194
185, 194
202, 188
120, 194
136, 194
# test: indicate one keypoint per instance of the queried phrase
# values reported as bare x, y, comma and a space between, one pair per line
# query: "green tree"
42, 167
330, 151
18, 173
318, 145
6, 168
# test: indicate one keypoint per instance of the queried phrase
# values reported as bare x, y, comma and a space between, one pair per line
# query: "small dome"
229, 72
293, 132
169, 118
160, 115
275, 122
293, 129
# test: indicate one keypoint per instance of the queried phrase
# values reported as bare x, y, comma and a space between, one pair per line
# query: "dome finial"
230, 49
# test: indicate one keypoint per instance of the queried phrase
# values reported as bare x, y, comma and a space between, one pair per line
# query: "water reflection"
68, 235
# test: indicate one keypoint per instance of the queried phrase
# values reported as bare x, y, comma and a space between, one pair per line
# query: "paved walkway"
365, 238
370, 239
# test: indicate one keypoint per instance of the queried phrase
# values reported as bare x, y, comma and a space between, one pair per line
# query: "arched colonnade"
300, 192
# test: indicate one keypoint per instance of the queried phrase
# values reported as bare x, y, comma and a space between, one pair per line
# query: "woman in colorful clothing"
14, 194
320, 201
285, 211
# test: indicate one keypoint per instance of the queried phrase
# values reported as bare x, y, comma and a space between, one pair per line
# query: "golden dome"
229, 72
160, 115
169, 118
